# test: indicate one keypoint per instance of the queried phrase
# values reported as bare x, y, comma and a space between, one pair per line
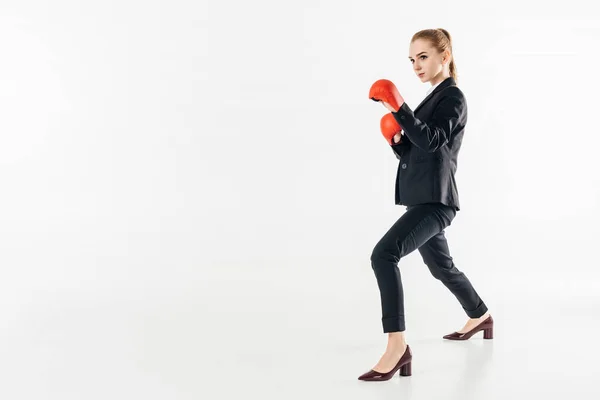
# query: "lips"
422, 73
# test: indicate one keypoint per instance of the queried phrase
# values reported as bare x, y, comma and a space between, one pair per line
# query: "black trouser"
420, 227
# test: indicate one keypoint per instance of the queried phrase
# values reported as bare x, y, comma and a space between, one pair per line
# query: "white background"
191, 192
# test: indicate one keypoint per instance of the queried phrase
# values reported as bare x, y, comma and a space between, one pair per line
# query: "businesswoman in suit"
426, 142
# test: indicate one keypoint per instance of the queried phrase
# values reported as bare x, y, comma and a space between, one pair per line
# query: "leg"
436, 256
414, 228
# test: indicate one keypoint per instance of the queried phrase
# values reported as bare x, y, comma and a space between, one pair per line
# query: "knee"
443, 272
376, 255
383, 254
437, 273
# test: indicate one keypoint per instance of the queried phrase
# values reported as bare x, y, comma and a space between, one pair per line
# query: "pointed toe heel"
404, 365
487, 326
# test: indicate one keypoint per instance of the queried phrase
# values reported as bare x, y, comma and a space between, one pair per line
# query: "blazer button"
403, 166
402, 117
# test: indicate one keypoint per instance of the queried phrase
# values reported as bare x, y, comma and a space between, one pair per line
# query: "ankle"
484, 316
396, 339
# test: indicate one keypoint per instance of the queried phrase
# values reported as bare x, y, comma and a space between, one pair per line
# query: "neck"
439, 77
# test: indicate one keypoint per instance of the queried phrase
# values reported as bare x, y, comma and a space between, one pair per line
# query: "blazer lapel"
445, 83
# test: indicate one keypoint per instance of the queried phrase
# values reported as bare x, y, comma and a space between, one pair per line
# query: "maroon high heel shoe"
487, 326
404, 365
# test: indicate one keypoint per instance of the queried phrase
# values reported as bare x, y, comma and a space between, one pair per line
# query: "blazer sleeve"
399, 148
437, 132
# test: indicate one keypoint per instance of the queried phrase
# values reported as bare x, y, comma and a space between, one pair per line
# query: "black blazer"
429, 148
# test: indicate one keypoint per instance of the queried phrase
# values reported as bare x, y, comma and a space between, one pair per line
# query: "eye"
423, 57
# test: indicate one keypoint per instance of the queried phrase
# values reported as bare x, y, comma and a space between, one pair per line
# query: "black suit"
429, 148
425, 184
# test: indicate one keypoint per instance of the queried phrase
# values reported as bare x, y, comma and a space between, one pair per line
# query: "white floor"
295, 332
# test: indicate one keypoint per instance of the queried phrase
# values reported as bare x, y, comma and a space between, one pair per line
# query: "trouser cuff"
478, 312
394, 324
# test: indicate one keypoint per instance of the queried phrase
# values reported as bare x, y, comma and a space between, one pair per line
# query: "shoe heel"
406, 369
488, 333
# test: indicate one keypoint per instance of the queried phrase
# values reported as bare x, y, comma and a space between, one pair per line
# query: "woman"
426, 142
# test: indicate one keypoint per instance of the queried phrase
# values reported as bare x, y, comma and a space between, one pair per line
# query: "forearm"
434, 134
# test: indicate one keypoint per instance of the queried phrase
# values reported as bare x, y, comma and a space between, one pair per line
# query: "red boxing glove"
389, 128
385, 90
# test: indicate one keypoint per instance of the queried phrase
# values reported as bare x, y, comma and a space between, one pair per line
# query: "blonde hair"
442, 41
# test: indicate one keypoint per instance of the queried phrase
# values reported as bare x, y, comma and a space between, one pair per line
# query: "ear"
446, 56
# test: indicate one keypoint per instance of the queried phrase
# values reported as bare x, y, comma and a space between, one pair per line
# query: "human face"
429, 65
